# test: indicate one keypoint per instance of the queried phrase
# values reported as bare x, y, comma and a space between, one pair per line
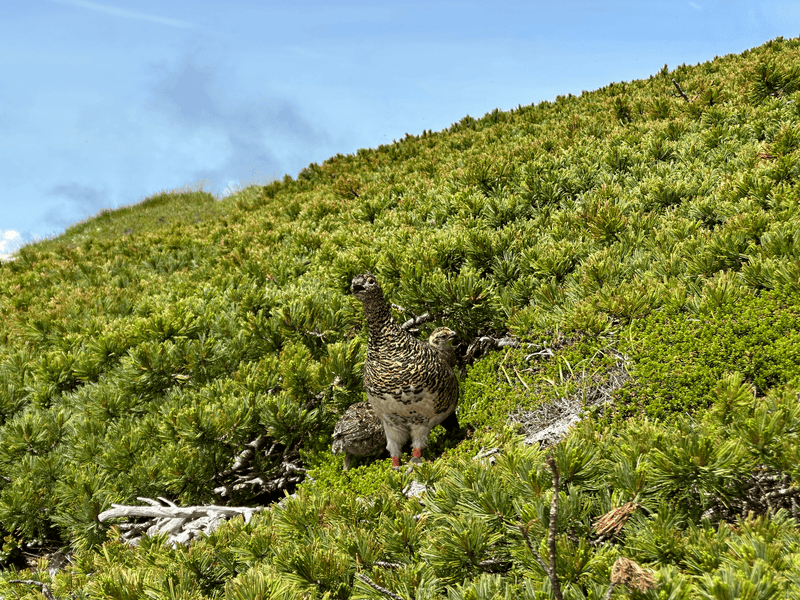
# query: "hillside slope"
654, 223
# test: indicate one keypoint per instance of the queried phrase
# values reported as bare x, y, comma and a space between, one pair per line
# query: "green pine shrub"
680, 355
145, 348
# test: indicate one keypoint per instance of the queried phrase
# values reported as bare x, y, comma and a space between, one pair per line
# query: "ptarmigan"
442, 339
409, 384
358, 432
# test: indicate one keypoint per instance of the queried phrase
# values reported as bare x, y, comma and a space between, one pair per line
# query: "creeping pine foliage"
652, 221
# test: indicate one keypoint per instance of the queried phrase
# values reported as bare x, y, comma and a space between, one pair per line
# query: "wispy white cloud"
127, 14
233, 187
695, 6
10, 241
251, 135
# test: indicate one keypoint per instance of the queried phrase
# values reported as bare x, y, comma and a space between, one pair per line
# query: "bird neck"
381, 325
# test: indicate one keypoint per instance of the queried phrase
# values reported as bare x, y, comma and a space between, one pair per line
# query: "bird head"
441, 337
366, 286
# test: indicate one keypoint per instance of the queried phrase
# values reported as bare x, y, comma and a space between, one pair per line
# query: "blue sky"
106, 102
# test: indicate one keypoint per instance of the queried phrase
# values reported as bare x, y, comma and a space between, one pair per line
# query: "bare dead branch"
482, 345
171, 512
414, 321
544, 352
551, 536
611, 587
375, 586
495, 565
245, 457
388, 565
551, 421
550, 569
680, 91
487, 453
181, 524
536, 555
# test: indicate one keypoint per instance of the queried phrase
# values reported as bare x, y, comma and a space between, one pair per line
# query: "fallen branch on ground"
182, 523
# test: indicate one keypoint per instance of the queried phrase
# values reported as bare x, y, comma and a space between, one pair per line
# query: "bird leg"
395, 438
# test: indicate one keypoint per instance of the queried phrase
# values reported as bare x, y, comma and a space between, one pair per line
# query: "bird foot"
395, 462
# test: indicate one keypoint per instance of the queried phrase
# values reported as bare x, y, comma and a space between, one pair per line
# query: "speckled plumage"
358, 432
408, 382
442, 338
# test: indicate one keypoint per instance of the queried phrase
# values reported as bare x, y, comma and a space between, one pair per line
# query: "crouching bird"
358, 432
409, 383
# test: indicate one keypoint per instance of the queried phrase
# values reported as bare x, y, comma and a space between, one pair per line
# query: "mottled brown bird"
358, 432
409, 384
442, 338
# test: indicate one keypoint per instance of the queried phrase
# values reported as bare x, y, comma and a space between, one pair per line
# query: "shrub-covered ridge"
143, 350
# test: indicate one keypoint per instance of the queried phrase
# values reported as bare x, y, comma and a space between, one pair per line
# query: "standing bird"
358, 432
409, 384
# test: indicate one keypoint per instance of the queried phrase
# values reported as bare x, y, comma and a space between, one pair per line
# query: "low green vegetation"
653, 224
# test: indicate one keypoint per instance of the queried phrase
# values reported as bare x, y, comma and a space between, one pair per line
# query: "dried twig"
416, 319
388, 565
680, 91
549, 422
375, 586
543, 352
683, 94
487, 453
286, 471
765, 492
495, 565
536, 555
482, 345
